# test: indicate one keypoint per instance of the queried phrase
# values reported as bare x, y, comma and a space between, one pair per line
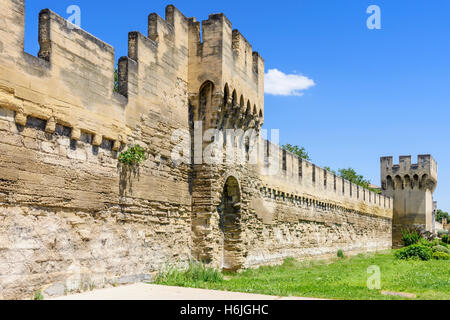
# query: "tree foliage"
330, 170
352, 176
348, 174
440, 215
299, 151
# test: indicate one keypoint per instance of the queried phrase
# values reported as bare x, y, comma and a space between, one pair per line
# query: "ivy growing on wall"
134, 156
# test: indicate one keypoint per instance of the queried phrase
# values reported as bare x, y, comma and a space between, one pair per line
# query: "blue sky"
376, 93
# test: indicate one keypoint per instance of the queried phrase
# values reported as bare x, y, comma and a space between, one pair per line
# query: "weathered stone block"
58, 289
21, 119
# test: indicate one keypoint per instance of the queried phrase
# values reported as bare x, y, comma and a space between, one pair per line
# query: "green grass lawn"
340, 279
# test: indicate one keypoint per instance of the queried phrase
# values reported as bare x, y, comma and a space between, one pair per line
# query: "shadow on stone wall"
128, 174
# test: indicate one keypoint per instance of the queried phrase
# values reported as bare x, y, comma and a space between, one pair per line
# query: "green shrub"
133, 156
445, 238
414, 251
425, 242
340, 254
436, 242
410, 237
441, 256
440, 248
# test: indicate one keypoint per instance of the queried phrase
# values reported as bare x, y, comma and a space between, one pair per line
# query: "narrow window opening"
267, 160
300, 168
314, 174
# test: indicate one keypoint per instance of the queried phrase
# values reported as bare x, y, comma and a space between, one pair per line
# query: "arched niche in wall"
230, 224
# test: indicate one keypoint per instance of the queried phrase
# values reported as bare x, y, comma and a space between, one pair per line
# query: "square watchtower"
411, 186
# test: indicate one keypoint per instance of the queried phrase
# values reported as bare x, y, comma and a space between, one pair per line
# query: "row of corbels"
21, 119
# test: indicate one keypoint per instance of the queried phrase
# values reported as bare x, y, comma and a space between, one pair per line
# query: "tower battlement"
223, 59
424, 162
408, 174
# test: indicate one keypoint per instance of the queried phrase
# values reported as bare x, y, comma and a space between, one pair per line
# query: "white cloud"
278, 83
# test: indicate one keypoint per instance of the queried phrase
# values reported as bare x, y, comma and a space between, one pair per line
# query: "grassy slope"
342, 279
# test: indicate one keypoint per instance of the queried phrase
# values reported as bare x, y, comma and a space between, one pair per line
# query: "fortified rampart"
72, 217
313, 212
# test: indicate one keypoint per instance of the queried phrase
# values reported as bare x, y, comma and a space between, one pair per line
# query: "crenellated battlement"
298, 177
224, 58
71, 84
406, 174
71, 81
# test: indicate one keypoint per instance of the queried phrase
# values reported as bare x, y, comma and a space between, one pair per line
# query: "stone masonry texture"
72, 217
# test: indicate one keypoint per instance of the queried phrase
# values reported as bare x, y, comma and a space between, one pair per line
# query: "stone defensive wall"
298, 177
310, 211
71, 217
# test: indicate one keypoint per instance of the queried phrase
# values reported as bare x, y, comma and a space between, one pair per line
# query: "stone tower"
412, 187
226, 92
